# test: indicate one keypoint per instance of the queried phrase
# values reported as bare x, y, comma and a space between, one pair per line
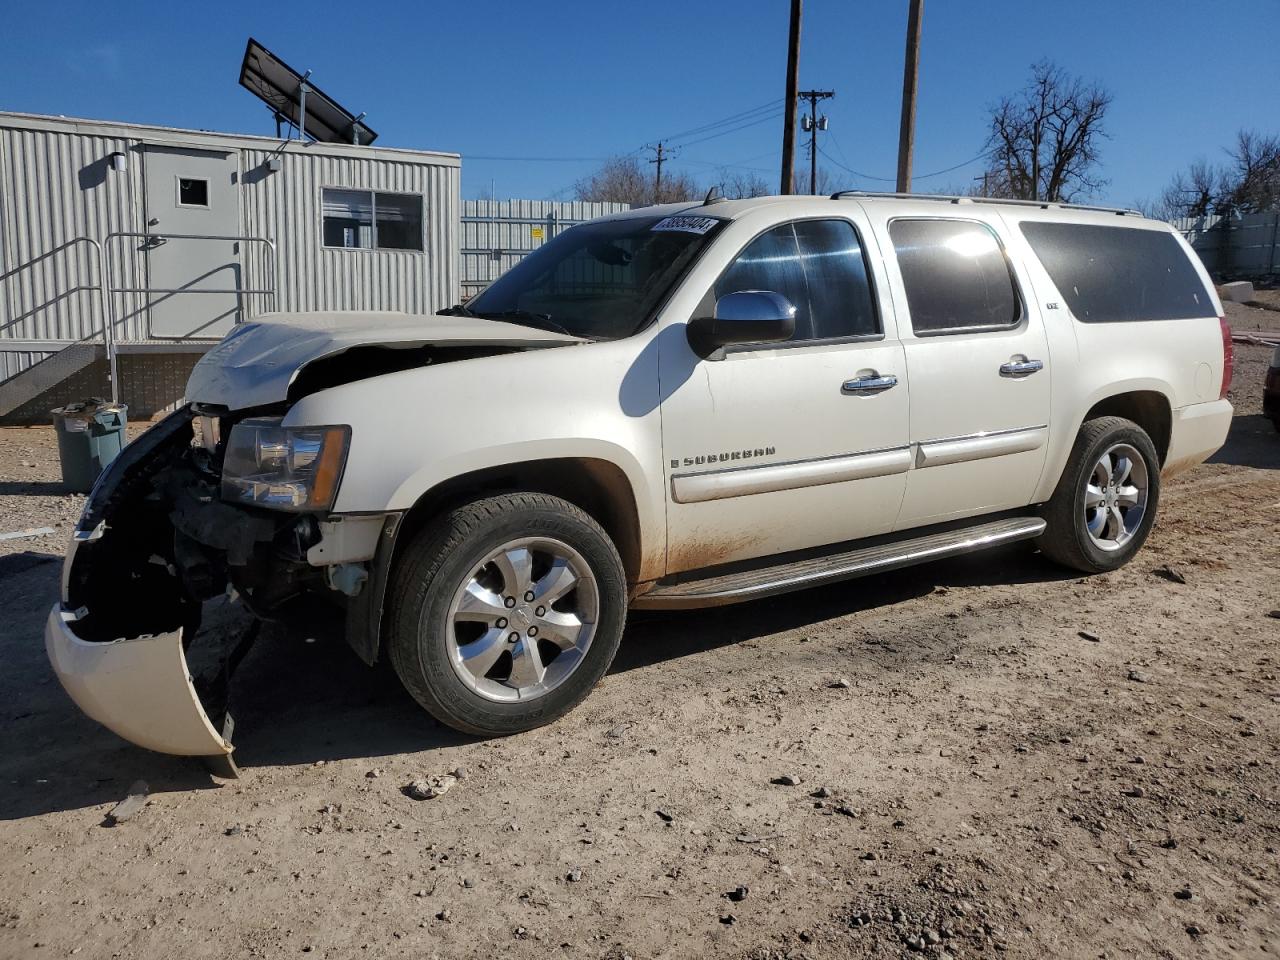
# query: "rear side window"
816, 264
955, 276
1112, 274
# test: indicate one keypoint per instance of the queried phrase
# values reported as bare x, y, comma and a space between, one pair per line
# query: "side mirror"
748, 316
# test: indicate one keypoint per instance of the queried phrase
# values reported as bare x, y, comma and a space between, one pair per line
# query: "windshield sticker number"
698, 225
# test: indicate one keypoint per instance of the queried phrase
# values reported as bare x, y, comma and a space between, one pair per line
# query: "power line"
744, 126
921, 176
734, 118
738, 121
478, 156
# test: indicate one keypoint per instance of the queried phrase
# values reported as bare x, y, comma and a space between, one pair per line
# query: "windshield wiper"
457, 310
542, 321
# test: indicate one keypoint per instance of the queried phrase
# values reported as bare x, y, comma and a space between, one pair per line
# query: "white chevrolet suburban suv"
679, 406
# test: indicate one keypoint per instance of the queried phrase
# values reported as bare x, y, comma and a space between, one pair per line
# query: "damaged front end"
175, 522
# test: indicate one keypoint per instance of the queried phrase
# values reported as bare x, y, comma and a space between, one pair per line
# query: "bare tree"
735, 186
628, 180
1249, 183
1252, 180
1044, 139
1193, 193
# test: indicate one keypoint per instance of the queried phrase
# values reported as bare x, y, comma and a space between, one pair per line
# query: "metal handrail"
104, 286
109, 288
108, 338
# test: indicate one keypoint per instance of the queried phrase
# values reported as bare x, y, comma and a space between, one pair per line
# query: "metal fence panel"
498, 234
1247, 246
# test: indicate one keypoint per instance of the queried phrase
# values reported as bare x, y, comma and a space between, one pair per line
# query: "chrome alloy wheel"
1115, 497
522, 622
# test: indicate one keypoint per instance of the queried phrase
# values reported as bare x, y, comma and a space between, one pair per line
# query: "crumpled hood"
255, 363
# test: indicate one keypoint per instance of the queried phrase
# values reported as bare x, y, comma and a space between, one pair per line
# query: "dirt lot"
993, 758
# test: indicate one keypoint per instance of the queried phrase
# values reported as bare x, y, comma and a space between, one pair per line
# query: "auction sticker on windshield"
697, 225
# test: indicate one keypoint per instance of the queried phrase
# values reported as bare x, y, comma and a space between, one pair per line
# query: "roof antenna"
713, 196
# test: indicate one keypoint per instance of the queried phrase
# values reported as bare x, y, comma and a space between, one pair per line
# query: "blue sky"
572, 79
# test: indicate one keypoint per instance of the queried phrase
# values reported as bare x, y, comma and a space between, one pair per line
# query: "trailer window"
369, 220
1114, 274
193, 192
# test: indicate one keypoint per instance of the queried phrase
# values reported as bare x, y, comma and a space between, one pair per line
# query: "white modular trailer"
159, 239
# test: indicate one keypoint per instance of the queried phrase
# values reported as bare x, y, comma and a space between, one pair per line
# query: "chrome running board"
767, 582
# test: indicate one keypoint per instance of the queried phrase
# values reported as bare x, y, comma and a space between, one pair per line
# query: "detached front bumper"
139, 688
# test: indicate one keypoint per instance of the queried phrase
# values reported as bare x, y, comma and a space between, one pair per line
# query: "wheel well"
596, 486
1147, 408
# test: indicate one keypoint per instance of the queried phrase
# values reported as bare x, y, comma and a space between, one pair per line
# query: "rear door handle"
873, 384
1020, 368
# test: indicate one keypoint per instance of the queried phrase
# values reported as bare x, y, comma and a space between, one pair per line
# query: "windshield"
599, 280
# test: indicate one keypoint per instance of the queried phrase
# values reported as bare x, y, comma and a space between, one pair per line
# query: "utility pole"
910, 76
812, 124
660, 155
793, 84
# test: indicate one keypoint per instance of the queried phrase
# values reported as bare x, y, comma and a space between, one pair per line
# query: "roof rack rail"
948, 198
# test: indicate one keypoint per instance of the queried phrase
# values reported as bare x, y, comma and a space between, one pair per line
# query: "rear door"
979, 366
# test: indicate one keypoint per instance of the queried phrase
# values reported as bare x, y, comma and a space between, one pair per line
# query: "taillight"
1228, 358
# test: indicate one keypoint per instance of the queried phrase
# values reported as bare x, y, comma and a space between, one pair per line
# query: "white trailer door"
191, 192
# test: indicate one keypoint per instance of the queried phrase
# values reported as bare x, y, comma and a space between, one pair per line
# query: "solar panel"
285, 91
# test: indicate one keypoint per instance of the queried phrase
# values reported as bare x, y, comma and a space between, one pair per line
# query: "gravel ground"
982, 757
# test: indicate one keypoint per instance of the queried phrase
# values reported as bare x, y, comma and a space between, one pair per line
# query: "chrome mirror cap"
753, 306
742, 317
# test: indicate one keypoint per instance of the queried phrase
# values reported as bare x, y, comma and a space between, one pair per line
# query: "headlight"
285, 468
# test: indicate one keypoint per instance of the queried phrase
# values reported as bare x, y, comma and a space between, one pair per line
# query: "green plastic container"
91, 434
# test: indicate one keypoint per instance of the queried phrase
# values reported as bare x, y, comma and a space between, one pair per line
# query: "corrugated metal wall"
1247, 246
498, 234
286, 205
57, 188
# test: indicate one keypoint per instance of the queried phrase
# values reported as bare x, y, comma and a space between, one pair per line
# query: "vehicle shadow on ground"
1252, 442
33, 488
299, 699
654, 636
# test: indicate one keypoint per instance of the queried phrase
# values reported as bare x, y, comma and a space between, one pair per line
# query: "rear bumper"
1198, 431
138, 688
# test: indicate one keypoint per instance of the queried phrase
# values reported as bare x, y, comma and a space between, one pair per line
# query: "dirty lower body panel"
154, 543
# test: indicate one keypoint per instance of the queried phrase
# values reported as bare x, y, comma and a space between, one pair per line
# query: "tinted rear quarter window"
1116, 274
955, 276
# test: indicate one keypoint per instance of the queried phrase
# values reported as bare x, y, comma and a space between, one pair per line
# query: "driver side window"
819, 266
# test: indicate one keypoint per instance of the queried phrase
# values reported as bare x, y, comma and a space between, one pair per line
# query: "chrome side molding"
741, 481
980, 446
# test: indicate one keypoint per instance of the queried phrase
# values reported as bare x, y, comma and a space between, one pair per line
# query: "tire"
455, 613
1089, 537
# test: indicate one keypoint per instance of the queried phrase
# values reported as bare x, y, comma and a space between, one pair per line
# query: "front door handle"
875, 383
1020, 368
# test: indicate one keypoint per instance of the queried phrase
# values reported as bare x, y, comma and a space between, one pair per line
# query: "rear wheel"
506, 612
1105, 503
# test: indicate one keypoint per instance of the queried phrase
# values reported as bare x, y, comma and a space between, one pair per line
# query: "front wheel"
506, 612
1105, 501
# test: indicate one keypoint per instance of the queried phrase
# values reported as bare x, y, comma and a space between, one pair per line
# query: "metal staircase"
48, 282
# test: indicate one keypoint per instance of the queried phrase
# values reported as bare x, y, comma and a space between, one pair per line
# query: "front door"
978, 359
781, 447
191, 192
